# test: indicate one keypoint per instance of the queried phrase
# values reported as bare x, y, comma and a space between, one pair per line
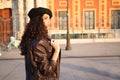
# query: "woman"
42, 55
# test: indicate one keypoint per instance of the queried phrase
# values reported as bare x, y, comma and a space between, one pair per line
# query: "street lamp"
68, 46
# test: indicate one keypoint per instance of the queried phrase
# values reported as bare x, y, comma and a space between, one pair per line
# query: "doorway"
5, 24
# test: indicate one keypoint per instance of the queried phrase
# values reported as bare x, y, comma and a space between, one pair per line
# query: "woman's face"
46, 20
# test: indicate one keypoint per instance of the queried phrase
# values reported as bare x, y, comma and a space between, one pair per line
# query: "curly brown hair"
35, 29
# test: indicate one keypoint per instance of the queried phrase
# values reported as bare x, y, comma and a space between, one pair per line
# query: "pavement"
86, 61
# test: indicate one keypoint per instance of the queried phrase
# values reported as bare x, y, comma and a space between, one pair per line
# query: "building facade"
85, 18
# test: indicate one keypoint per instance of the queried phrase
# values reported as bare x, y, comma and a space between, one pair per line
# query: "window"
89, 19
62, 20
115, 19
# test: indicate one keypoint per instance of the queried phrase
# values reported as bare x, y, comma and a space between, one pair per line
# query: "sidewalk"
11, 55
102, 49
88, 61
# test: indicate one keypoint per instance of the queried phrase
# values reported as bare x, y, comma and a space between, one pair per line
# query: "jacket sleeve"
45, 65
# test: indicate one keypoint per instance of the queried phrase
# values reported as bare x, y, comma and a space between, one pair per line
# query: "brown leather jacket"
39, 65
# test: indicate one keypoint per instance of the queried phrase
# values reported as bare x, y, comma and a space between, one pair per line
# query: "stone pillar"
29, 5
15, 18
21, 18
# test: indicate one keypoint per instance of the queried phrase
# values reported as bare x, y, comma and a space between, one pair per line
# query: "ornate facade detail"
63, 3
102, 14
115, 2
89, 3
76, 13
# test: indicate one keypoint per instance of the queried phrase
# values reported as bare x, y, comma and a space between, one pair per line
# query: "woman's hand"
56, 47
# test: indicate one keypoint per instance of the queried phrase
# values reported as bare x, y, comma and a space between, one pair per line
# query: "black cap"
34, 12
